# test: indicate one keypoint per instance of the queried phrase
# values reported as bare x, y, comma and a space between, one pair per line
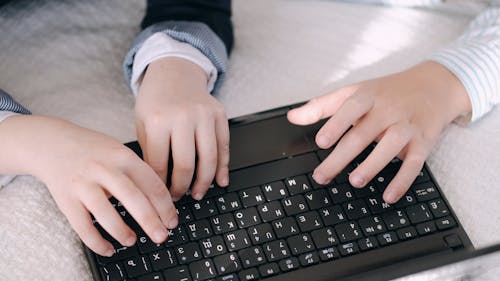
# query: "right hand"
81, 169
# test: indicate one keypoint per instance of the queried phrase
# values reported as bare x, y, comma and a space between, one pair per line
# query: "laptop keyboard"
268, 222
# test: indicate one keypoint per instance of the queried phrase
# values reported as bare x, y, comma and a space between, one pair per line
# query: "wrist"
444, 88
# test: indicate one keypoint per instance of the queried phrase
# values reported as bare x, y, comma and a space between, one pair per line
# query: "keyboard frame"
382, 263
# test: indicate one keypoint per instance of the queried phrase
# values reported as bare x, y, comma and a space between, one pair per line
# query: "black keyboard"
274, 218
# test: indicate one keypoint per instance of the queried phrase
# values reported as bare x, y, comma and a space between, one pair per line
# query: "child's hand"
176, 114
405, 111
81, 168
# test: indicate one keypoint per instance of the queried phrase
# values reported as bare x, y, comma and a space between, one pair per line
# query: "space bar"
272, 171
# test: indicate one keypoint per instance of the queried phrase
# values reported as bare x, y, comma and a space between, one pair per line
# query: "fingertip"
323, 141
390, 196
357, 180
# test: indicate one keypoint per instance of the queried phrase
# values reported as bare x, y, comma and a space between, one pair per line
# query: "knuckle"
183, 167
160, 191
155, 119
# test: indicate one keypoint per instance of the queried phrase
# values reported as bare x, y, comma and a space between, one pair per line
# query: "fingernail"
110, 252
357, 180
130, 241
323, 141
160, 235
319, 178
172, 223
197, 196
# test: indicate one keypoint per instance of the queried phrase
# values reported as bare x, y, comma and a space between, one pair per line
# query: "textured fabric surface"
64, 58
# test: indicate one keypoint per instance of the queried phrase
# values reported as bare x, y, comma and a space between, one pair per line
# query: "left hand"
405, 111
176, 114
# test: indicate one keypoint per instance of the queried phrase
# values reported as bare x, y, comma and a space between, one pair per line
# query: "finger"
206, 147
97, 203
183, 154
81, 222
141, 138
223, 137
411, 167
156, 192
139, 207
157, 149
320, 107
352, 110
351, 145
393, 141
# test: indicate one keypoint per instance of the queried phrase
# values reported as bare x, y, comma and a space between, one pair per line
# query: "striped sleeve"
7, 103
475, 59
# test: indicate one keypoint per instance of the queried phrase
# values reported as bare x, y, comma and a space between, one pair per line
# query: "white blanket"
63, 58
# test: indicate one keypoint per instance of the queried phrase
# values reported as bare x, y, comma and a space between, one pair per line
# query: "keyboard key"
348, 231
387, 238
285, 227
425, 191
112, 272
309, 221
184, 213
341, 193
367, 243
289, 264
251, 197
332, 215
329, 253
199, 229
294, 205
162, 259
445, 223
324, 237
369, 190
395, 219
407, 233
223, 223
227, 263
188, 253
176, 237
372, 225
180, 273
249, 274
212, 246
271, 211
300, 244
261, 233
275, 190
438, 208
377, 205
204, 208
349, 249
343, 177
297, 185
228, 202
356, 209
269, 269
137, 266
152, 277
237, 240
276, 250
247, 217
252, 256
407, 200
426, 228
317, 199
202, 270
229, 277
308, 259
419, 213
